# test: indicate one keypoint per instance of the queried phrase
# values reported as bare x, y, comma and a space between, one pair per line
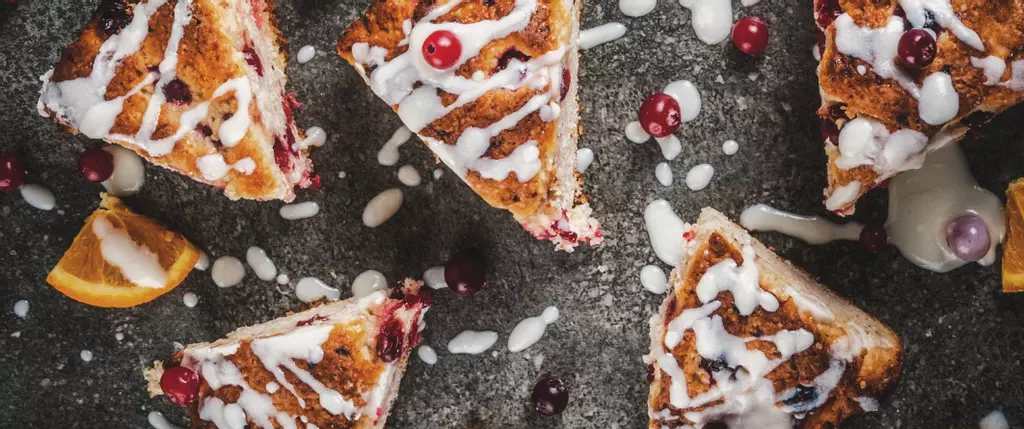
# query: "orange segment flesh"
85, 276
1013, 248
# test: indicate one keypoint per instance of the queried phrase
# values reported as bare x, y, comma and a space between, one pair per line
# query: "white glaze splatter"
309, 289
472, 342
39, 197
699, 177
601, 34
298, 211
261, 264
368, 282
530, 330
227, 271
653, 279
382, 207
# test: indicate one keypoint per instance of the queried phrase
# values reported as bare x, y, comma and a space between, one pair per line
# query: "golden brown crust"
349, 366
207, 58
864, 376
549, 28
842, 86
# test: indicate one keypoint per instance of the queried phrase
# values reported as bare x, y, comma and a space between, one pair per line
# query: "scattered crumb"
538, 361
341, 174
720, 79
16, 334
438, 173
608, 300
752, 77
119, 336
602, 268
178, 346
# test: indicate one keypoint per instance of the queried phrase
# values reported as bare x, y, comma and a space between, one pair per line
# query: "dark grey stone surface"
962, 336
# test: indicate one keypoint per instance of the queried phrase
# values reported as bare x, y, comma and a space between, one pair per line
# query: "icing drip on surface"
843, 195
665, 230
584, 158
309, 289
637, 8
711, 19
653, 279
865, 141
530, 330
601, 34
472, 342
922, 202
39, 197
699, 177
129, 172
427, 354
812, 229
298, 211
382, 207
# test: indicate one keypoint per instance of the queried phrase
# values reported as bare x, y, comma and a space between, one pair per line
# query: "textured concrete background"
962, 335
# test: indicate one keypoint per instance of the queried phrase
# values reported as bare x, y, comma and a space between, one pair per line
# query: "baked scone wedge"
491, 88
337, 365
195, 86
744, 336
882, 116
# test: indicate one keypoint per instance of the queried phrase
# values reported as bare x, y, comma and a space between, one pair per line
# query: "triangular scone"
504, 115
196, 86
744, 336
334, 366
901, 114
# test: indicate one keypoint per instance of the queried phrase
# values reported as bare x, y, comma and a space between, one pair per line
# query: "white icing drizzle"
39, 197
730, 147
745, 394
994, 420
427, 354
699, 177
865, 141
939, 101
394, 82
584, 158
203, 263
663, 173
382, 207
635, 133
711, 19
941, 11
812, 229
298, 211
434, 277
922, 202
653, 279
530, 330
876, 46
666, 231
21, 308
81, 103
601, 34
309, 289
129, 172
261, 264
688, 97
306, 54
368, 282
810, 305
137, 263
388, 154
472, 342
158, 421
315, 137
190, 299
992, 66
409, 176
637, 8
843, 195
213, 167
671, 147
227, 271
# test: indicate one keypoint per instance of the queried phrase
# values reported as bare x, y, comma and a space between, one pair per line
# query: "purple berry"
873, 237
465, 275
916, 49
968, 238
177, 92
550, 396
95, 165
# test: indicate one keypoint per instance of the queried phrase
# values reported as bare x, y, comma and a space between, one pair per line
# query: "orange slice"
1013, 246
121, 259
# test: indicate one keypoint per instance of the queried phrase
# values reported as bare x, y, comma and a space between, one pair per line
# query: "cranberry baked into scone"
900, 78
196, 86
491, 88
334, 366
745, 337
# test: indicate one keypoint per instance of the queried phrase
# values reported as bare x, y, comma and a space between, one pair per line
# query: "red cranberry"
660, 115
563, 91
421, 298
282, 156
12, 172
253, 59
509, 55
826, 12
916, 49
873, 237
650, 373
95, 165
311, 320
830, 131
114, 16
180, 385
442, 49
314, 182
389, 340
465, 275
176, 92
204, 130
550, 396
750, 35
